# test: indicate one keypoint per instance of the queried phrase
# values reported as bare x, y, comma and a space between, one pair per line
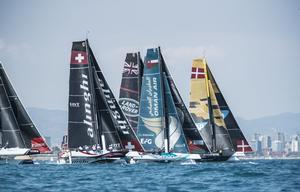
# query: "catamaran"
159, 126
19, 138
205, 110
239, 141
98, 131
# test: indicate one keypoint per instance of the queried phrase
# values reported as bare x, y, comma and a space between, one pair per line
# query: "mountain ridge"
53, 123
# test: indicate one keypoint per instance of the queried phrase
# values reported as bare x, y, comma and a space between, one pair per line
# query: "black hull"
213, 158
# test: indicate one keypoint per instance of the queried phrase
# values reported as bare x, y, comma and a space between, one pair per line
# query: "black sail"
9, 128
30, 133
118, 122
106, 124
238, 139
82, 122
129, 97
193, 137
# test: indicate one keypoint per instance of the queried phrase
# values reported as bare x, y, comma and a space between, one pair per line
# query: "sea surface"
255, 175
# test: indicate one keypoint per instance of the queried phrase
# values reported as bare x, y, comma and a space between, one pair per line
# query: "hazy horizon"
252, 47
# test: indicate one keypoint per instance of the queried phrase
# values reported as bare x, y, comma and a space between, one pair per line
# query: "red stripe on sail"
79, 57
129, 90
39, 144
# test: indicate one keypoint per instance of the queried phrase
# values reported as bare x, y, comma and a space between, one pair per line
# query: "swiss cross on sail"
130, 68
198, 73
79, 57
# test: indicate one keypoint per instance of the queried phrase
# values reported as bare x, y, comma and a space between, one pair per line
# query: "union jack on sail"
130, 68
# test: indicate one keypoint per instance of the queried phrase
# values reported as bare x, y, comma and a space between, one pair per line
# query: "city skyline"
251, 46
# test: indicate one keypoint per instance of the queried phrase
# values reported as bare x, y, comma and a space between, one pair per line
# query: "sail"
223, 141
130, 88
205, 112
177, 142
10, 132
112, 121
238, 139
151, 122
82, 122
30, 133
192, 134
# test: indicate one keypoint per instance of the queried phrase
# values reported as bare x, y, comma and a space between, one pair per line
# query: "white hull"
134, 156
16, 160
15, 156
13, 151
80, 157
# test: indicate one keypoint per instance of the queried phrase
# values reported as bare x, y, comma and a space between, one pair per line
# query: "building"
266, 142
278, 146
280, 137
295, 143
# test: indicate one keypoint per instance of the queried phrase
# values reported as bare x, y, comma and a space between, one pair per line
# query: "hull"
77, 157
213, 157
134, 157
16, 160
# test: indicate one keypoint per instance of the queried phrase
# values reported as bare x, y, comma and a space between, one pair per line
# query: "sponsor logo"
201, 125
152, 96
124, 126
87, 105
129, 106
146, 141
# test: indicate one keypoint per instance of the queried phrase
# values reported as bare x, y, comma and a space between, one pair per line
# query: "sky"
251, 46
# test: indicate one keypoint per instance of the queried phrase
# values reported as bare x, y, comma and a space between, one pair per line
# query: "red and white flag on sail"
197, 73
79, 57
243, 146
151, 63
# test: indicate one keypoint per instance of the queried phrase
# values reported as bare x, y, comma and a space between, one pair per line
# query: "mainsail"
151, 120
193, 137
129, 97
205, 111
93, 109
82, 123
159, 124
30, 133
238, 139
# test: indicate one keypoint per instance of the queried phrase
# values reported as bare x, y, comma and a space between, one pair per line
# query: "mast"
210, 110
165, 107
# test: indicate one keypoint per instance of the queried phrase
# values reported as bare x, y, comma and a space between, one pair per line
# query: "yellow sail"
199, 92
203, 100
199, 100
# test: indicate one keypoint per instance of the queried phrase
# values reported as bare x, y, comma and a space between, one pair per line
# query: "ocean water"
256, 175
